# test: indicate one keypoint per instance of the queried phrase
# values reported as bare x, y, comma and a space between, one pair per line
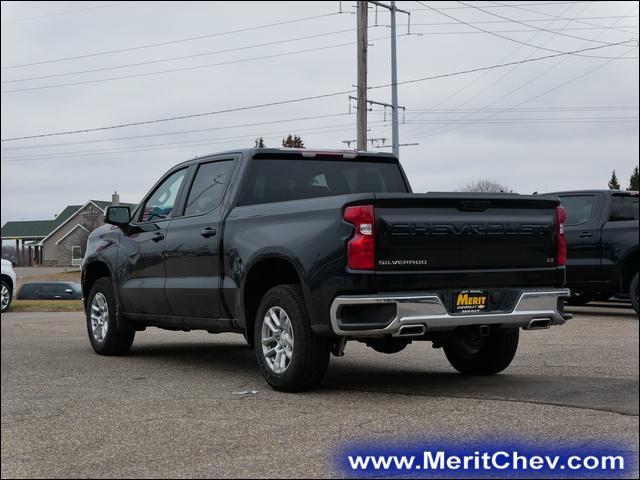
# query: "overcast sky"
560, 123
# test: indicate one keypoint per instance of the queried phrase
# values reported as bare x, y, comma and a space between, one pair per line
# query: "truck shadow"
619, 395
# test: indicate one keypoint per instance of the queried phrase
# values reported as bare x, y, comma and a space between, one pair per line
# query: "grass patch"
46, 306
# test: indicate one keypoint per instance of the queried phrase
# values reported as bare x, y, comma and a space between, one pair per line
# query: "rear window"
624, 207
281, 180
580, 208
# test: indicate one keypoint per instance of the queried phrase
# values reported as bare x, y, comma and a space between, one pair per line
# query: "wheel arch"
263, 274
8, 280
90, 273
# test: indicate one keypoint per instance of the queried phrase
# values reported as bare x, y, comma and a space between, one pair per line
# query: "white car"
8, 284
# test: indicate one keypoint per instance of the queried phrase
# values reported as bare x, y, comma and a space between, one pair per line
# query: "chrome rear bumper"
416, 315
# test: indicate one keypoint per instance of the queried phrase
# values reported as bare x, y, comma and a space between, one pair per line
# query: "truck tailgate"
431, 232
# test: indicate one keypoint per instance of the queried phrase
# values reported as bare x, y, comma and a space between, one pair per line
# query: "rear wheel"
473, 354
104, 334
633, 291
291, 357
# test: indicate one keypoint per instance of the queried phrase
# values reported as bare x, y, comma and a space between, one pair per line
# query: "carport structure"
28, 236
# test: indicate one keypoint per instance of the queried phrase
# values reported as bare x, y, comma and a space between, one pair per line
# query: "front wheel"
291, 357
633, 291
105, 336
476, 355
6, 297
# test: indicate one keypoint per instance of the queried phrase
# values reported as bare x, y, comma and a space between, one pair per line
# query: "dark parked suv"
303, 250
50, 291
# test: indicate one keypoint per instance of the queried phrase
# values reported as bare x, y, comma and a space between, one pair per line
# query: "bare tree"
486, 185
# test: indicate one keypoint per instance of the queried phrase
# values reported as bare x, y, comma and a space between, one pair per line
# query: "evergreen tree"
614, 184
634, 181
259, 143
293, 141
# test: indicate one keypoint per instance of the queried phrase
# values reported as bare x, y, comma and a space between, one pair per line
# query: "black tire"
494, 354
633, 291
310, 356
116, 341
10, 293
579, 300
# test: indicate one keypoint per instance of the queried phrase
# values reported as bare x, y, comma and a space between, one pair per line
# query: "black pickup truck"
602, 237
303, 250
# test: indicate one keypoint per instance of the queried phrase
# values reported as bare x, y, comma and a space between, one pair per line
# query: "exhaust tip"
539, 324
412, 331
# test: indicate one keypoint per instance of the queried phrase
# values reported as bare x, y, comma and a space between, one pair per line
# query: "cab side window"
208, 187
161, 203
580, 208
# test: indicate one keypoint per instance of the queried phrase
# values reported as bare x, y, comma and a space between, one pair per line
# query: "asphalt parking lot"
171, 408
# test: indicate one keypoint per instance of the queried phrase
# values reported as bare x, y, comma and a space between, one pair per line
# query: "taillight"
561, 254
361, 249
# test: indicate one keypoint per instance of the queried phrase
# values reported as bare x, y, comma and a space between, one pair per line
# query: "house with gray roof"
61, 241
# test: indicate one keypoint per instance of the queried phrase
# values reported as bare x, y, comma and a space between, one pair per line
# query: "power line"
498, 6
551, 30
173, 42
66, 12
316, 117
572, 19
179, 132
548, 23
535, 97
184, 144
511, 54
183, 69
528, 82
527, 25
306, 37
182, 57
533, 120
529, 110
550, 15
302, 99
490, 32
507, 64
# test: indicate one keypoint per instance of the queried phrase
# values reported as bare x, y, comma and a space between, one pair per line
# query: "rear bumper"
415, 315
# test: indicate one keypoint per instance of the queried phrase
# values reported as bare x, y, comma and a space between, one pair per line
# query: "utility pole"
361, 133
395, 131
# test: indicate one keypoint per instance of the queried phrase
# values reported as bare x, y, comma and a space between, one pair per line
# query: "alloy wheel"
4, 297
277, 339
99, 317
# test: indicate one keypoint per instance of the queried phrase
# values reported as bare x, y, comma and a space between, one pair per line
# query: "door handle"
208, 232
157, 236
586, 235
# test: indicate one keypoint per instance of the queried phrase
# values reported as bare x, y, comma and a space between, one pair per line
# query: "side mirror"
117, 215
